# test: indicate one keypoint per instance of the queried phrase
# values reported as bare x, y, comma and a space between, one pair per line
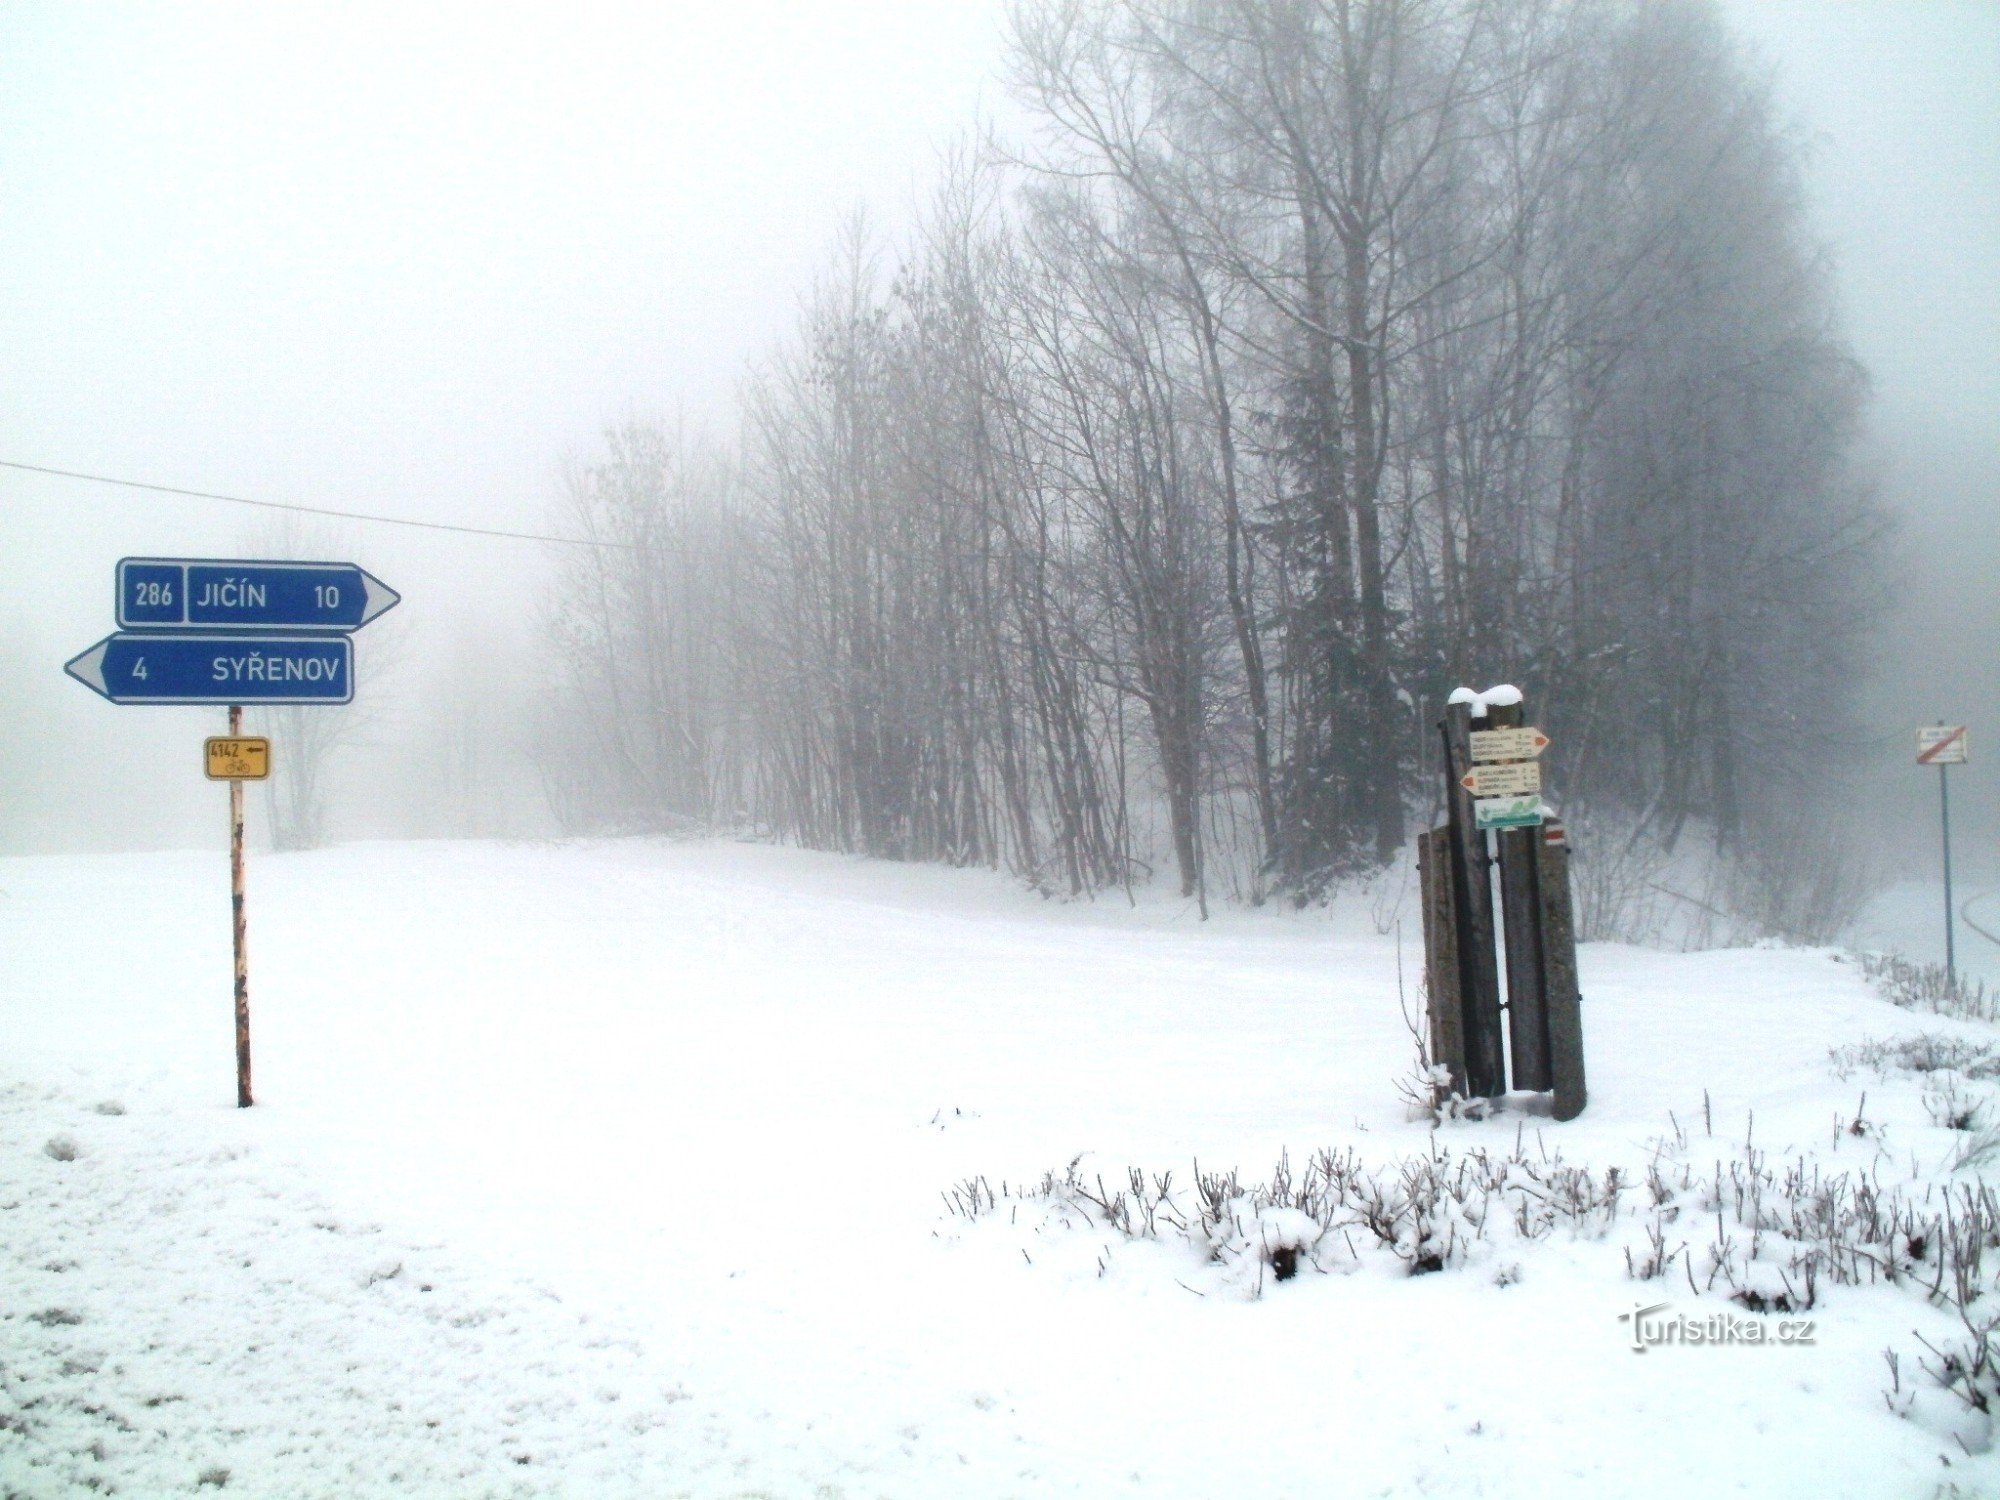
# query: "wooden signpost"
1493, 783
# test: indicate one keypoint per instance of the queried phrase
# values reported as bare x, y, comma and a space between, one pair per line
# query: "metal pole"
243, 1099
1944, 810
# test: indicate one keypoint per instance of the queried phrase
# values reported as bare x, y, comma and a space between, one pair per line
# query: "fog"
405, 264
399, 261
1901, 106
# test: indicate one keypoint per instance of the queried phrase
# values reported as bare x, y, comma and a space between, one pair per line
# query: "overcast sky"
398, 259
404, 259
1900, 102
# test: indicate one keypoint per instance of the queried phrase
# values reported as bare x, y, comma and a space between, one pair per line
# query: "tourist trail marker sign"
236, 760
230, 632
1513, 778
1507, 812
1945, 746
135, 668
1506, 744
176, 593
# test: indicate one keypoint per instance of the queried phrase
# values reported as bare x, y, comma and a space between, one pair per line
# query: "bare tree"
307, 738
1319, 356
646, 630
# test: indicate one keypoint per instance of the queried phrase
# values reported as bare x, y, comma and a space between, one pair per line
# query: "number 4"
139, 669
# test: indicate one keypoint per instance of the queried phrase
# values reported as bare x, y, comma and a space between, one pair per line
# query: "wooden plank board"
1521, 916
1442, 1002
1559, 981
1478, 967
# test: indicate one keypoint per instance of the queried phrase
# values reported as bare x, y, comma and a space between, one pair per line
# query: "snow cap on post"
1501, 695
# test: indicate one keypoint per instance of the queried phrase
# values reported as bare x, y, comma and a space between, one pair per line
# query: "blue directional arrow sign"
220, 669
182, 593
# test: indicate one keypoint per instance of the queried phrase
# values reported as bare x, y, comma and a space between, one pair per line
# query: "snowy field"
626, 1170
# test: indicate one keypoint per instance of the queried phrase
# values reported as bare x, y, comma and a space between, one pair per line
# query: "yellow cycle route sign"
238, 759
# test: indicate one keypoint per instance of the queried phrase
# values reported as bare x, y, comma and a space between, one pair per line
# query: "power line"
314, 510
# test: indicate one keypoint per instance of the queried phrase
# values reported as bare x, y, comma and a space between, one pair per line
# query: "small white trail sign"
1514, 778
1943, 744
1489, 745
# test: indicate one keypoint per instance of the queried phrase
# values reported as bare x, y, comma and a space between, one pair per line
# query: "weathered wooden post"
1446, 1006
1472, 899
1521, 920
1563, 1003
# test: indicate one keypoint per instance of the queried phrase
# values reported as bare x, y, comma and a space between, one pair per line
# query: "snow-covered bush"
1919, 986
1795, 881
1764, 1233
1926, 1052
1423, 1214
1960, 1390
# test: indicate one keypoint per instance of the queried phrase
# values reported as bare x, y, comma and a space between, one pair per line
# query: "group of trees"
1317, 356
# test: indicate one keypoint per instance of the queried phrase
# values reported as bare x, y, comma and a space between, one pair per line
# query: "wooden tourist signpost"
1493, 783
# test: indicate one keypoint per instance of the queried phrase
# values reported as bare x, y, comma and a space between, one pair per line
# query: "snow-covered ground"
622, 1170
1908, 917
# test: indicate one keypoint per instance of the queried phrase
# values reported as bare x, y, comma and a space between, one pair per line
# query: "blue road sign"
182, 593
218, 668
